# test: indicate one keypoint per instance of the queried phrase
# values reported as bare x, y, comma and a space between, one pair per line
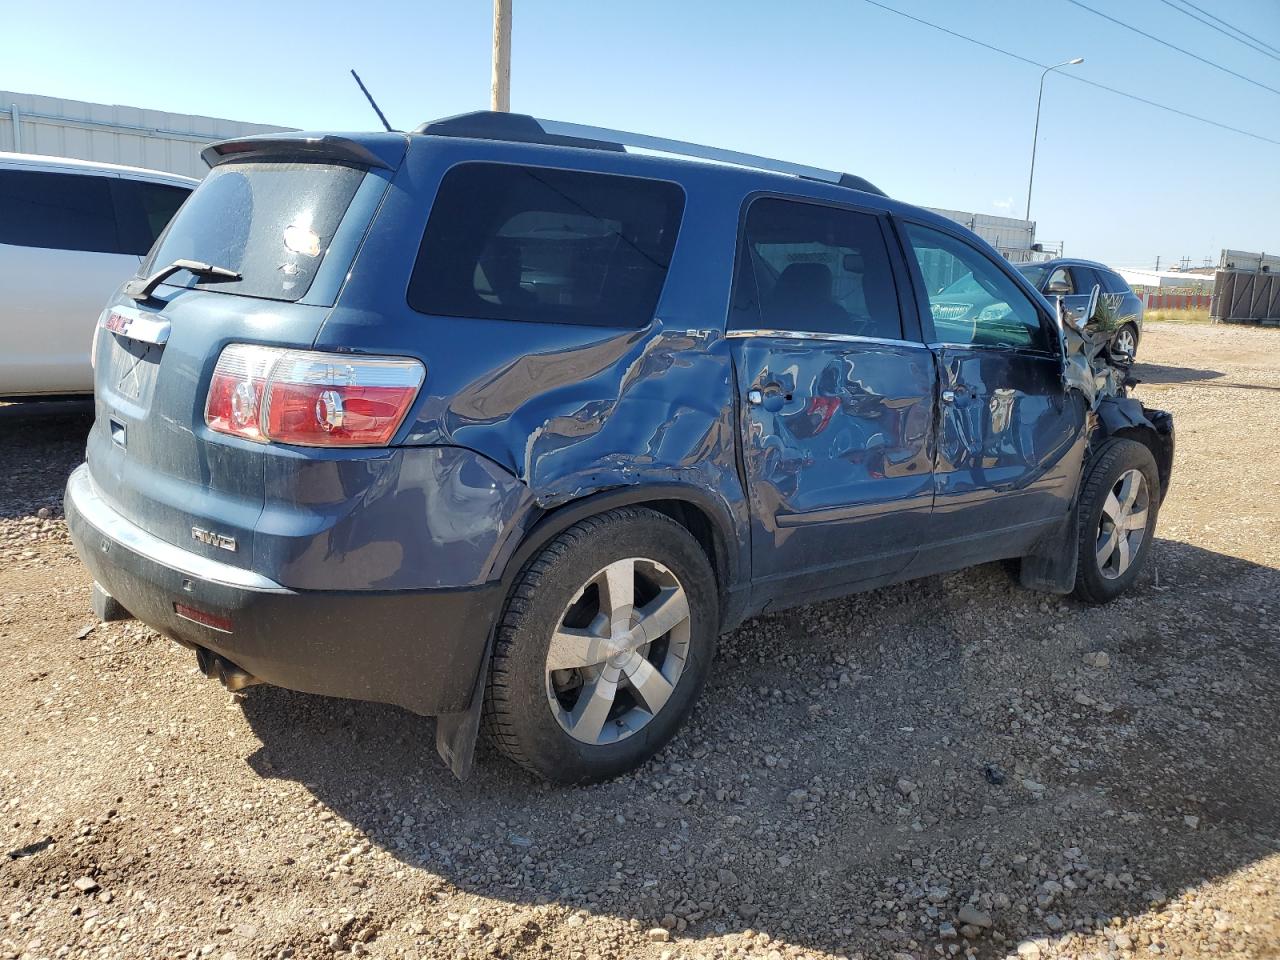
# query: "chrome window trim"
814, 335
1033, 351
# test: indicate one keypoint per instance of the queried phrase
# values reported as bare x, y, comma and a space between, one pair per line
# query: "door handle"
771, 397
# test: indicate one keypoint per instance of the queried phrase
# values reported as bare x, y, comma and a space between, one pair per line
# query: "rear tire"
1119, 503
603, 648
1126, 340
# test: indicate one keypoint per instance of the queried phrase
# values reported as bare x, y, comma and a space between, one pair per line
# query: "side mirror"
1059, 288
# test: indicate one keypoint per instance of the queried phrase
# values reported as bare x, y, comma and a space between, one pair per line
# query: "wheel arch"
1125, 418
1161, 451
707, 520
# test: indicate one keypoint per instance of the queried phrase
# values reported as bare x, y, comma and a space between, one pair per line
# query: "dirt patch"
944, 768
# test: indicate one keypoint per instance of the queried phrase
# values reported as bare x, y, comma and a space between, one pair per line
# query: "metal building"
30, 123
1015, 239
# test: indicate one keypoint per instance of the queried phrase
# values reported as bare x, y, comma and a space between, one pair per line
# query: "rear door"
1009, 437
62, 252
836, 395
1085, 279
289, 228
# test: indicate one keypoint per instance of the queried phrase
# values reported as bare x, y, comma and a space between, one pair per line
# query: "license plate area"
131, 370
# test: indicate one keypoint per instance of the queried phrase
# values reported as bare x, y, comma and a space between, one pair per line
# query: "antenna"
372, 102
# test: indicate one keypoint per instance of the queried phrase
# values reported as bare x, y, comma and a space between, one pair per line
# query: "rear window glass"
1113, 282
810, 268
59, 211
271, 222
145, 209
507, 242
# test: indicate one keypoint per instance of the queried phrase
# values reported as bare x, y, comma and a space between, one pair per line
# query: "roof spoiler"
522, 128
321, 147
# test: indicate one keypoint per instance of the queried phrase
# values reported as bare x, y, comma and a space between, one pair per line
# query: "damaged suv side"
504, 424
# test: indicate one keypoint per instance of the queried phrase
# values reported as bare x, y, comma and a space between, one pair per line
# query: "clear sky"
833, 83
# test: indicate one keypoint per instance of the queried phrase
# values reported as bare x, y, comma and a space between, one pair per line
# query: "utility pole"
500, 91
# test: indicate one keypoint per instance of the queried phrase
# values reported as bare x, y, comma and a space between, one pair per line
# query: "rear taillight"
310, 398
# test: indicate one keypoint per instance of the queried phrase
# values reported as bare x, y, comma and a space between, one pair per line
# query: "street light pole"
1036, 136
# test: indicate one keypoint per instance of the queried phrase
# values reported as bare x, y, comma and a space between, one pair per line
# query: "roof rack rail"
522, 128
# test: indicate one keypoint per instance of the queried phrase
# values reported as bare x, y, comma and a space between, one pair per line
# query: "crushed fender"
1104, 380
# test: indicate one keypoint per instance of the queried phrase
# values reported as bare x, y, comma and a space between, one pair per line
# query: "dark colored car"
497, 421
1074, 280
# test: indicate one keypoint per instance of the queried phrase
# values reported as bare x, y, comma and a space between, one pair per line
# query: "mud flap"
106, 607
456, 733
1051, 566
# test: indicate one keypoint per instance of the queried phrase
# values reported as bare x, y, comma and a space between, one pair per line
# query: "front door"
1010, 439
836, 400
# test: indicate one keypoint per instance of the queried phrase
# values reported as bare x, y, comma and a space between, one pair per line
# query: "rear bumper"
419, 649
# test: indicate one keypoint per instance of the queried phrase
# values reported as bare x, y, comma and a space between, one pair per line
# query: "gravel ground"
950, 767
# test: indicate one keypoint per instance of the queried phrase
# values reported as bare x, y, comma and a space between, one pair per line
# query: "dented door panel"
838, 456
1009, 447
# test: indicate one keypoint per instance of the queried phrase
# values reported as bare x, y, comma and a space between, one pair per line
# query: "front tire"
604, 646
1118, 507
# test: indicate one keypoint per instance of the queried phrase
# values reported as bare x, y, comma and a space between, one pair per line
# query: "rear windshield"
508, 242
271, 222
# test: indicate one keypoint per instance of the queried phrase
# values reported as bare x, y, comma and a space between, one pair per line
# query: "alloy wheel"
1126, 342
1123, 524
618, 651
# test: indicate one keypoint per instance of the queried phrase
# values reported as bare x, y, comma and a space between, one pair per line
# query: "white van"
71, 232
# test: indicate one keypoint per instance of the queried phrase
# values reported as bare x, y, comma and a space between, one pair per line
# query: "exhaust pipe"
217, 667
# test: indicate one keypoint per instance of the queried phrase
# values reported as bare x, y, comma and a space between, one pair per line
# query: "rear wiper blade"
141, 288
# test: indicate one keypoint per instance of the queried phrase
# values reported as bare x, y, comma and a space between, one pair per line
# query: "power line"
1070, 76
1251, 44
1230, 26
1193, 56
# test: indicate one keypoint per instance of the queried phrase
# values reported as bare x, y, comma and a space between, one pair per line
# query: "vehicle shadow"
858, 770
1157, 375
38, 441
1161, 373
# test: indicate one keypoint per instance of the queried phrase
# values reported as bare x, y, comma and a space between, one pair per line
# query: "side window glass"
60, 211
809, 268
1085, 280
970, 298
159, 203
144, 210
1059, 284
507, 242
1113, 282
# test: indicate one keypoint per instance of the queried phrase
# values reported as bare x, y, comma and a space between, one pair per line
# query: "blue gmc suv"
504, 424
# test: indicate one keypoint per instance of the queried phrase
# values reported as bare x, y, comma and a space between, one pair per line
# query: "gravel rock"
306, 827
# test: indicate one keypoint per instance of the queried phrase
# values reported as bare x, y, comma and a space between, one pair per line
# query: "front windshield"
1034, 272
